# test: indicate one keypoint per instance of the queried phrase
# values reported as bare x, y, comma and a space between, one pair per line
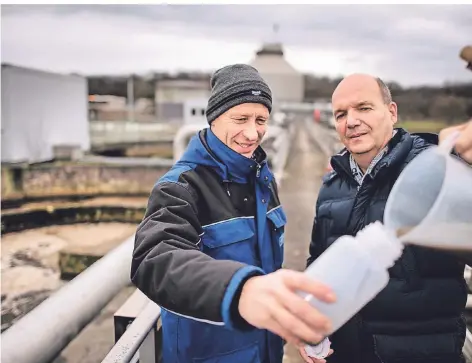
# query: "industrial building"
286, 83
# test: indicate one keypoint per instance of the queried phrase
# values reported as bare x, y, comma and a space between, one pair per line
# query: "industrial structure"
42, 113
286, 83
171, 92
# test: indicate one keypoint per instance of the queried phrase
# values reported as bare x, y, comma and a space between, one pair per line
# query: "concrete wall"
117, 132
60, 180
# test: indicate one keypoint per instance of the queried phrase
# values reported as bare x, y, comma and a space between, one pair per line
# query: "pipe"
182, 138
45, 331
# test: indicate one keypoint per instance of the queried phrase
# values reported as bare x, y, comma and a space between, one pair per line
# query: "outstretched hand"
271, 302
463, 144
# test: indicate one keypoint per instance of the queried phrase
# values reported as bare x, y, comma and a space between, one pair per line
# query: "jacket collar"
356, 170
397, 148
206, 149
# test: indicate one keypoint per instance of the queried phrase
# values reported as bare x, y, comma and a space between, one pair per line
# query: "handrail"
182, 138
127, 346
45, 331
279, 137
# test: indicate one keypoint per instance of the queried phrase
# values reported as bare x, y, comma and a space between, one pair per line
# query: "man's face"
242, 127
363, 121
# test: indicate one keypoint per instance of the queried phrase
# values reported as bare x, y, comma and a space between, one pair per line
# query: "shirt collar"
357, 171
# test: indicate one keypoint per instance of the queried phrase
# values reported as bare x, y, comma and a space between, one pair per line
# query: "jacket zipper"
226, 183
258, 171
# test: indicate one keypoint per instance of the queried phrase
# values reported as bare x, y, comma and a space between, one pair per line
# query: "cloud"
408, 44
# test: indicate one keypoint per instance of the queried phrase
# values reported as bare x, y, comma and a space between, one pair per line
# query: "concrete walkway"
298, 194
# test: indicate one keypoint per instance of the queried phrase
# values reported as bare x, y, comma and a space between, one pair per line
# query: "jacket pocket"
431, 348
278, 220
247, 355
233, 239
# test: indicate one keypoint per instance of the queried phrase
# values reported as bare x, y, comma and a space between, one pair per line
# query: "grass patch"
422, 125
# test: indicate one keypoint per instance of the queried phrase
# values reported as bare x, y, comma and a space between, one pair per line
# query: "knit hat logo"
256, 93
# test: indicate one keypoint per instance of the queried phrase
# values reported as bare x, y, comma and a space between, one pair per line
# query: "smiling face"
242, 127
364, 118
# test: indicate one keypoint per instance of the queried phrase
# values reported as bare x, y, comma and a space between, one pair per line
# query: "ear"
393, 110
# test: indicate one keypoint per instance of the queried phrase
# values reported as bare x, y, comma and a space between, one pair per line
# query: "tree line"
451, 102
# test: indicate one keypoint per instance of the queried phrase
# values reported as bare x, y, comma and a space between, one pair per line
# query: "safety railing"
137, 332
45, 331
325, 138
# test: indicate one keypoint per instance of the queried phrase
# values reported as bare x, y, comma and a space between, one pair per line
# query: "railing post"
151, 348
148, 349
141, 329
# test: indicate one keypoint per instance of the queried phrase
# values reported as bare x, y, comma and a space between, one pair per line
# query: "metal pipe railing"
182, 138
140, 336
279, 136
45, 331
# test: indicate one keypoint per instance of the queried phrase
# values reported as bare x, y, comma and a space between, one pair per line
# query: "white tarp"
41, 110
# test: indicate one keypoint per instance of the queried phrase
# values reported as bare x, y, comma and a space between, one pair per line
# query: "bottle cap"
319, 351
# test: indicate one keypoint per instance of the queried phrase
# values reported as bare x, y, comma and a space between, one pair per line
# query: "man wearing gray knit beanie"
239, 107
209, 250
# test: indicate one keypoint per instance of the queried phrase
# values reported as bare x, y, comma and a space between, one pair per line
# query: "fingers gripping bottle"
356, 268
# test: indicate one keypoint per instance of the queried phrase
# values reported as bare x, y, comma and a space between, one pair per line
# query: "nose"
250, 132
352, 120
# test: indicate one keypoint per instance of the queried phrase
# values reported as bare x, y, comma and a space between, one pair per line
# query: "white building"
195, 111
287, 84
40, 111
172, 92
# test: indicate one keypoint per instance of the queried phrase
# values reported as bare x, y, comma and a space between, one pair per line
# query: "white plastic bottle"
356, 269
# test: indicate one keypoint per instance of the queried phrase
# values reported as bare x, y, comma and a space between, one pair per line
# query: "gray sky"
406, 43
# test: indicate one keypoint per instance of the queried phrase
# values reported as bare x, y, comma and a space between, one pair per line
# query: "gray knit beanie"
236, 84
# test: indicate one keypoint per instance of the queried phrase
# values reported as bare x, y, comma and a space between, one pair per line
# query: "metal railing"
325, 138
276, 143
45, 331
140, 341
